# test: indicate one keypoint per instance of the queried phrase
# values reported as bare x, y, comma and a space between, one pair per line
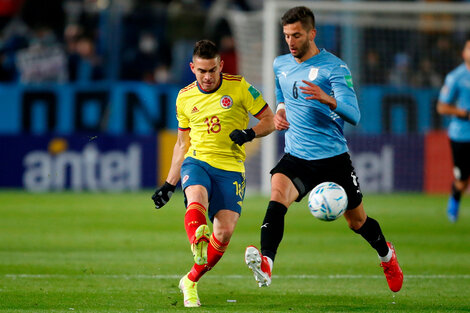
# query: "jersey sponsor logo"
194, 110
312, 75
254, 92
349, 80
185, 178
285, 74
226, 102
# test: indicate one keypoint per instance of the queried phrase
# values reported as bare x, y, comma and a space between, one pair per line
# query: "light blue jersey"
315, 131
456, 90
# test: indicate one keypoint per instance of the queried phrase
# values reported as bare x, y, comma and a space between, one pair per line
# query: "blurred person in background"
425, 75
84, 63
454, 100
444, 55
149, 62
44, 60
373, 68
400, 73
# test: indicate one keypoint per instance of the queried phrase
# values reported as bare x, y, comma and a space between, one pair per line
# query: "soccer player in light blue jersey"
454, 100
315, 96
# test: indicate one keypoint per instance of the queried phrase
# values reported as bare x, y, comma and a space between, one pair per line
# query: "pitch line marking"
176, 276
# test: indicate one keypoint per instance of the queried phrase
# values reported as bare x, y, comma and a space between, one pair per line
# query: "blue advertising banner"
112, 108
386, 163
78, 162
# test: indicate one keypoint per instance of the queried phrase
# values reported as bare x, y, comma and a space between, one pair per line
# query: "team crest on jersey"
226, 102
312, 75
185, 179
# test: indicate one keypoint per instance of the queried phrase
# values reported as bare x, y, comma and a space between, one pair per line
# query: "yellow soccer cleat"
189, 290
200, 244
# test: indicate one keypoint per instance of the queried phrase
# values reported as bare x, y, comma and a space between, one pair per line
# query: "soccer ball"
327, 201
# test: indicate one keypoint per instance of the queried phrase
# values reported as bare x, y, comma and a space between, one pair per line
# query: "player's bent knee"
196, 193
279, 195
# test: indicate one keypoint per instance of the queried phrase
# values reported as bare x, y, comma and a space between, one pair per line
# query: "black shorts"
461, 156
305, 175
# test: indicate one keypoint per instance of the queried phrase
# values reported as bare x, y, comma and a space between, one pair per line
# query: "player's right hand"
280, 120
163, 194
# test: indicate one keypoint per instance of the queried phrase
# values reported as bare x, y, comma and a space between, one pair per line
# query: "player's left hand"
241, 136
163, 194
316, 93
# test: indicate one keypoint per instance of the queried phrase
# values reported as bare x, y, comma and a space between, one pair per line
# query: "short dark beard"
303, 50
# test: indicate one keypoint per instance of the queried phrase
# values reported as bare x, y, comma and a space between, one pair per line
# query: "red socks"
215, 251
194, 217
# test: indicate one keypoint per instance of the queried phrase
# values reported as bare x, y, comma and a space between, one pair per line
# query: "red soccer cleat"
392, 271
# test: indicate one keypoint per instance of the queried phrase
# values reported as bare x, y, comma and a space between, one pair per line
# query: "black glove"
241, 136
163, 194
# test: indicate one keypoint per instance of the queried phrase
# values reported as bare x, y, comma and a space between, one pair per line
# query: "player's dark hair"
205, 49
299, 14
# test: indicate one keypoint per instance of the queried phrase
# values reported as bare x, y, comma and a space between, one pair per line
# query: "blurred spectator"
44, 60
13, 37
444, 55
374, 71
85, 64
228, 55
146, 54
217, 28
425, 75
71, 34
149, 62
184, 35
400, 72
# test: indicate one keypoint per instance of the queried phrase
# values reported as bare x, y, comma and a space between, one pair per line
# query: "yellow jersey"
212, 116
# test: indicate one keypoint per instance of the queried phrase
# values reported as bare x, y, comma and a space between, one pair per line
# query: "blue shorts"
226, 189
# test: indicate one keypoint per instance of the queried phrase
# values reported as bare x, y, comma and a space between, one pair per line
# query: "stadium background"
88, 87
87, 126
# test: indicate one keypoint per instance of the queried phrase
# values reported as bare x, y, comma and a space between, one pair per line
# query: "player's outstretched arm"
264, 127
163, 193
448, 109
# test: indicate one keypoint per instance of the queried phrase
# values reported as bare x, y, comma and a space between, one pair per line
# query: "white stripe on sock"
387, 257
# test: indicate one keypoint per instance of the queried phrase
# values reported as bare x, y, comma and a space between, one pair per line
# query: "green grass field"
65, 252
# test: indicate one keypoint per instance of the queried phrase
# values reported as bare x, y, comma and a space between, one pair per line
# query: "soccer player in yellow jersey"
209, 155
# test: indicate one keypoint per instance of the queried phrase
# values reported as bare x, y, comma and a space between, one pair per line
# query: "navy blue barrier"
139, 108
78, 162
113, 108
384, 163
